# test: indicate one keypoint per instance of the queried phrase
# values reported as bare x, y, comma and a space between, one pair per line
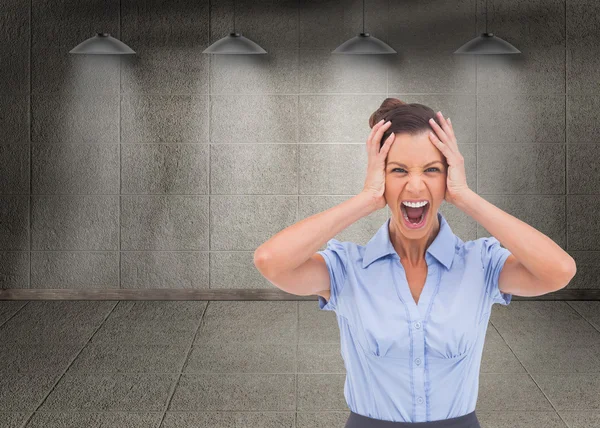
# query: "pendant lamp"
102, 44
364, 43
234, 43
487, 44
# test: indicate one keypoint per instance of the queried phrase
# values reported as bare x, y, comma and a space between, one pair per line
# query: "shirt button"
417, 324
420, 400
418, 361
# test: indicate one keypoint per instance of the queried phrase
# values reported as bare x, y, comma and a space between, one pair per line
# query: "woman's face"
413, 180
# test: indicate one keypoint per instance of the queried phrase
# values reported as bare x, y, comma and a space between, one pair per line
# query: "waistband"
469, 420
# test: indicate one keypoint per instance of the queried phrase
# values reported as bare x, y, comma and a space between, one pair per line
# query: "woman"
414, 303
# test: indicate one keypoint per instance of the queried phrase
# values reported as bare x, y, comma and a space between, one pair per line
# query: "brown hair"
412, 119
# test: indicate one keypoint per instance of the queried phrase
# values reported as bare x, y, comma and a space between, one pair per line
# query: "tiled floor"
253, 364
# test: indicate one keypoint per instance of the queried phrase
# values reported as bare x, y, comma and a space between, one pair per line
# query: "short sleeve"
493, 256
335, 258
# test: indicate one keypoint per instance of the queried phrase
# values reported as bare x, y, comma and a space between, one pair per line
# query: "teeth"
415, 204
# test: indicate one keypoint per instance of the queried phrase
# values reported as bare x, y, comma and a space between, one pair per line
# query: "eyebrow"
401, 164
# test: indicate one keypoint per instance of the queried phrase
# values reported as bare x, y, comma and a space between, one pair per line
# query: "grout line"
30, 197
477, 93
209, 114
387, 86
526, 371
566, 140
15, 314
270, 143
476, 118
296, 361
189, 352
566, 192
298, 4
278, 194
476, 148
336, 94
26, 422
580, 314
120, 149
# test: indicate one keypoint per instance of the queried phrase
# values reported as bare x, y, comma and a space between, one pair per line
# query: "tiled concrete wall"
169, 168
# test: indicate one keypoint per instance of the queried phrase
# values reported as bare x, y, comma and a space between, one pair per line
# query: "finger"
448, 131
371, 146
374, 129
443, 121
451, 132
388, 143
447, 136
441, 134
377, 138
444, 148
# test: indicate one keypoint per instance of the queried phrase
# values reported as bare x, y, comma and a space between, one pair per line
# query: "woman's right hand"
375, 181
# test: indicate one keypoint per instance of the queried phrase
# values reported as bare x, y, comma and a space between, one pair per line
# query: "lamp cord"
486, 19
363, 16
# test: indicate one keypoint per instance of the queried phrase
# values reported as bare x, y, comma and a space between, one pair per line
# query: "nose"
415, 184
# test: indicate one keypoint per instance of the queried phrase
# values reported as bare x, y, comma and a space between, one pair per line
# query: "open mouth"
416, 223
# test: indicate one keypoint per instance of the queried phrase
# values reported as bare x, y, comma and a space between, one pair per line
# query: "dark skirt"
465, 421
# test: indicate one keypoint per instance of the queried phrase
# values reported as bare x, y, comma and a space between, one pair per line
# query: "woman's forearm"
295, 244
543, 257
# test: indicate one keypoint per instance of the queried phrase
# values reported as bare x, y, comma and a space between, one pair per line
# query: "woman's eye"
402, 169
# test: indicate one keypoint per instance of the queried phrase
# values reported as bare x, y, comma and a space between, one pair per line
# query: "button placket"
417, 313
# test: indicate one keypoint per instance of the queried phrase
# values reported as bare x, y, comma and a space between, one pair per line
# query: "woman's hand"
445, 141
375, 181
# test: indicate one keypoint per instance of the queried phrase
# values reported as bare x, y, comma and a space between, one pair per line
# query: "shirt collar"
442, 247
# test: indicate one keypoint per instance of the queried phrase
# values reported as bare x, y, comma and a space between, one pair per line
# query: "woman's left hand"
445, 141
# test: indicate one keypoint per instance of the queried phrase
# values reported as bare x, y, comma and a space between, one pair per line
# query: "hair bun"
387, 105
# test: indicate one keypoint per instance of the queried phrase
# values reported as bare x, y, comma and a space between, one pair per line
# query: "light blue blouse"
411, 362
